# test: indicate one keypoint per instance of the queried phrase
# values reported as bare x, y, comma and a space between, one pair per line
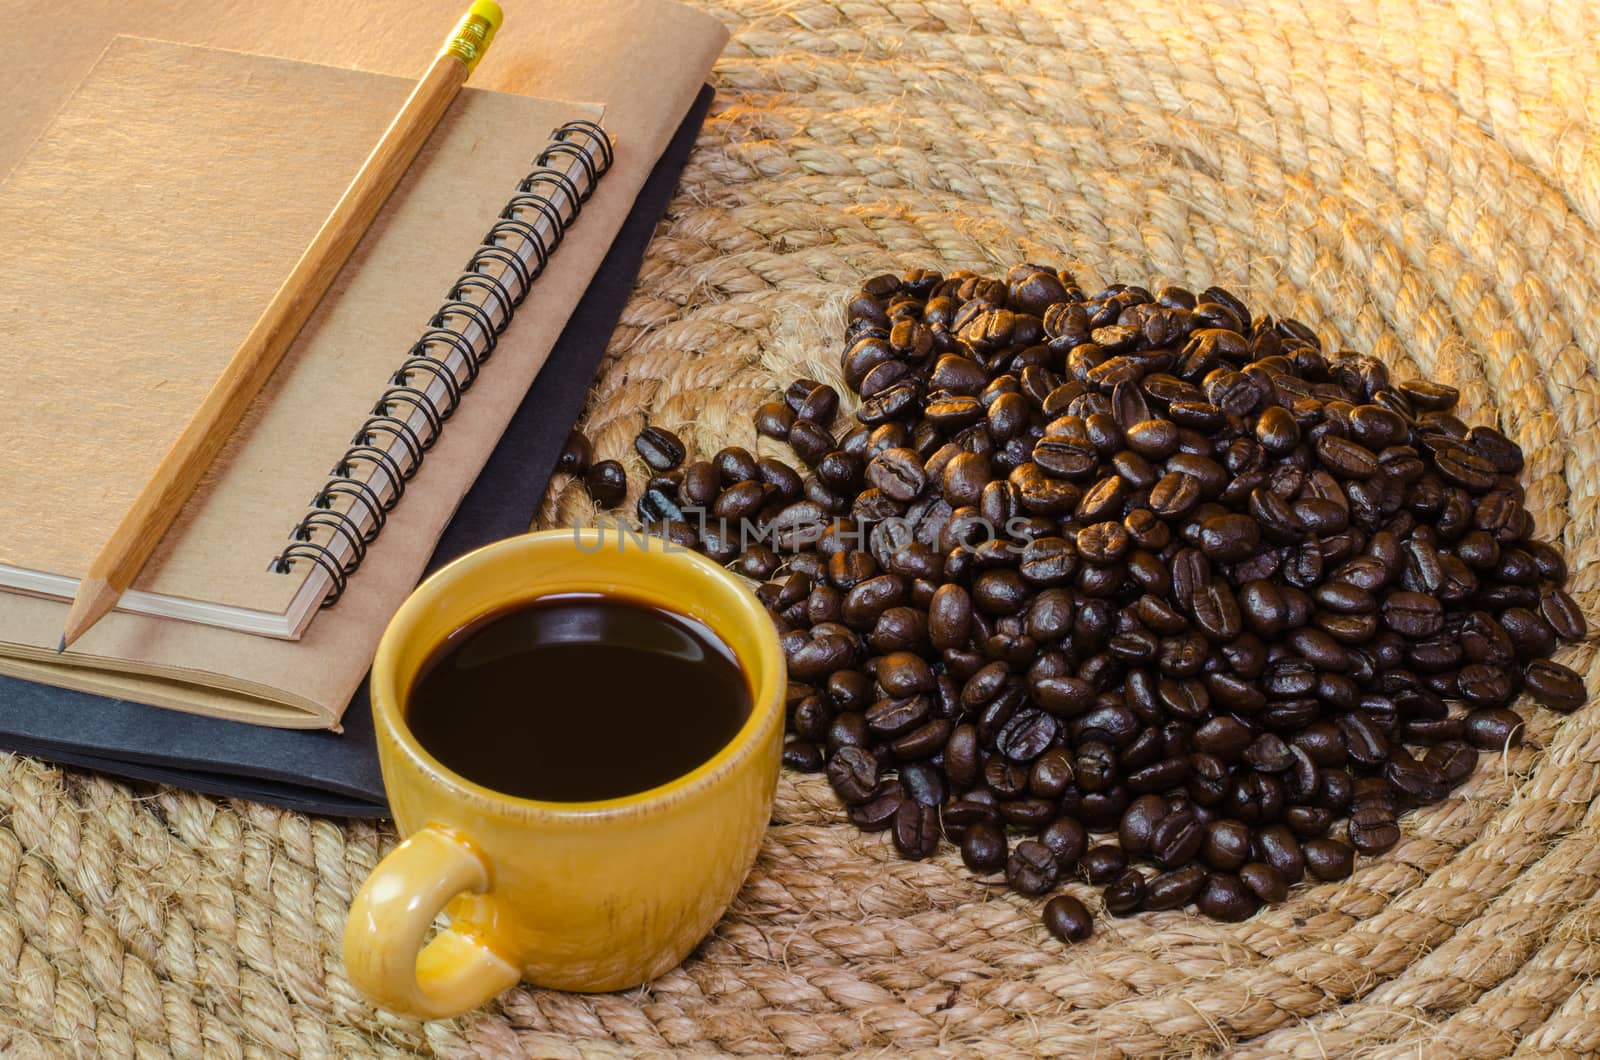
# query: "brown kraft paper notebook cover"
222, 672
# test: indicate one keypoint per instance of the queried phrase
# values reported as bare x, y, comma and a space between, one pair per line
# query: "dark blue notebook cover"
321, 772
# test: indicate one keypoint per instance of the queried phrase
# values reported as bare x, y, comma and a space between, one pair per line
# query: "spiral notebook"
147, 155
144, 235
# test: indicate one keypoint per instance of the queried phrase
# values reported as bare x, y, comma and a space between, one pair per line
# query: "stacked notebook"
191, 184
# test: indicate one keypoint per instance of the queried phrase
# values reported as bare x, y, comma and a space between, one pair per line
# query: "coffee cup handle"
392, 914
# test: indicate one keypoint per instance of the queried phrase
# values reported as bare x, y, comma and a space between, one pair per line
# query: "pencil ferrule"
471, 39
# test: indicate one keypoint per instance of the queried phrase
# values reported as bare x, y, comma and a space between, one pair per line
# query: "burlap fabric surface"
1413, 180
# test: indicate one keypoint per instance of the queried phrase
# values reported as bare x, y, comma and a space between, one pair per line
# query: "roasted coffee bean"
701, 484
916, 829
1176, 839
853, 772
811, 442
659, 448
1224, 736
1562, 613
1032, 868
888, 719
1277, 846
1227, 538
773, 419
811, 718
1277, 430
1556, 686
1226, 846
802, 756
869, 599
959, 814
897, 473
1373, 829
924, 783
1139, 823
1225, 897
1124, 895
841, 471
1329, 859
1528, 632
849, 690
849, 729
819, 406
1493, 729
1026, 736
1103, 863
1067, 839
949, 617
1264, 881
1028, 814
1452, 760
1414, 615
736, 464
1174, 889
1345, 458
607, 483
922, 742
1067, 919
576, 454
902, 673
787, 486
1051, 773
1268, 753
983, 847
877, 813
1000, 592
797, 392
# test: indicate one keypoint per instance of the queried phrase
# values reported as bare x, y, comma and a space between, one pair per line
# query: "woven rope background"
1417, 181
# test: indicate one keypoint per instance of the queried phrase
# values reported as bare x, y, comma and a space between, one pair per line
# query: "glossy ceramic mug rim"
765, 674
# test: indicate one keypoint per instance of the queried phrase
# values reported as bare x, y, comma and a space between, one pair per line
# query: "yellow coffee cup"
570, 895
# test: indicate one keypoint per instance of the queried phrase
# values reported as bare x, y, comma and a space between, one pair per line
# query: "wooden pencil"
133, 541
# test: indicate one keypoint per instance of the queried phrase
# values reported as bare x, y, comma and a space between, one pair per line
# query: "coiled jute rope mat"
1414, 180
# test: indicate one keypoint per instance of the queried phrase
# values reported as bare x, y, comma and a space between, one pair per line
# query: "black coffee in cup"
578, 697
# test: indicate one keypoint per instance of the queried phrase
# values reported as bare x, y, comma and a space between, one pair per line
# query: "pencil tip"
63, 645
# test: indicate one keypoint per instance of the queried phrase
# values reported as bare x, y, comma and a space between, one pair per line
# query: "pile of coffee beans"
1137, 587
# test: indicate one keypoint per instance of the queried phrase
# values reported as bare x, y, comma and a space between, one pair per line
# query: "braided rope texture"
1411, 179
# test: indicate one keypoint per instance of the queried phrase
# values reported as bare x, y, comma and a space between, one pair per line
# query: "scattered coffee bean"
607, 483
1557, 687
1493, 729
659, 448
576, 455
1067, 918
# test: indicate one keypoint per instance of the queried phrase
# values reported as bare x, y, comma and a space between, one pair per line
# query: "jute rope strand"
1411, 179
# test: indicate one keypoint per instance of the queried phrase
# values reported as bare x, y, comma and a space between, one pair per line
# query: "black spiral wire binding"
468, 325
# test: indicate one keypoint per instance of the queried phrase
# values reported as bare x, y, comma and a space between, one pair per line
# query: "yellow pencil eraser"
471, 38
489, 11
